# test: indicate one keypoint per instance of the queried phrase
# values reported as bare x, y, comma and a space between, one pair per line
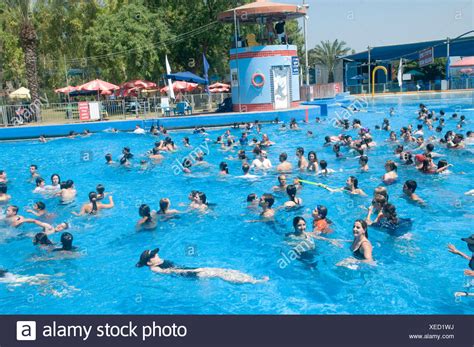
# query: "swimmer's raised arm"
110, 204
454, 250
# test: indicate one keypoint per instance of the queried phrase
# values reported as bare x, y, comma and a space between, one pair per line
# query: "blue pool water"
415, 274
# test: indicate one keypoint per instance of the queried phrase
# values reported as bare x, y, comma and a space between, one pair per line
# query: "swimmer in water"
155, 155
302, 162
93, 206
285, 165
247, 174
3, 176
47, 228
199, 201
223, 169
12, 218
66, 242
266, 203
293, 200
165, 204
313, 165
391, 172
41, 239
409, 191
148, 220
34, 172
281, 187
261, 162
361, 247
100, 189
323, 168
108, 159
39, 209
186, 142
42, 139
55, 185
470, 245
67, 192
300, 233
4, 197
151, 259
363, 162
40, 186
16, 280
352, 187
252, 201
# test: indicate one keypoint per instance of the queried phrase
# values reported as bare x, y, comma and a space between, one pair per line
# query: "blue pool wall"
56, 130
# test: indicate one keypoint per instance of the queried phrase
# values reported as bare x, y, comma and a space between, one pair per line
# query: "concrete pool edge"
183, 122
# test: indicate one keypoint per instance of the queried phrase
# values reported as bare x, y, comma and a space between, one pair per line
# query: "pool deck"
179, 122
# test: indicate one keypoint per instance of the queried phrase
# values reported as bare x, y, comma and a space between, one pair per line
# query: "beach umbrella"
97, 85
219, 85
180, 86
140, 84
65, 90
20, 93
186, 76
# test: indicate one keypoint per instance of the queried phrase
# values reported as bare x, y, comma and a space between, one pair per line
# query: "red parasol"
97, 85
139, 84
180, 86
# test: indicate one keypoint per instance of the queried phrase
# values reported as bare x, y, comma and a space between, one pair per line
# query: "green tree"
326, 54
22, 13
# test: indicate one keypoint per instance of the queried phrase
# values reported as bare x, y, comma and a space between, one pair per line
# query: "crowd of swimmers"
412, 147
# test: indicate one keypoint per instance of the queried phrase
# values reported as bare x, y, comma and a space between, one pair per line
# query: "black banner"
327, 331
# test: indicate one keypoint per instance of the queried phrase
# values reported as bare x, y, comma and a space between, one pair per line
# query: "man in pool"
34, 174
266, 203
151, 259
12, 218
470, 245
285, 165
409, 190
48, 229
281, 187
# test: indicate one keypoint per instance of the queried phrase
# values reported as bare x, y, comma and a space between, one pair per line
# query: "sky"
361, 23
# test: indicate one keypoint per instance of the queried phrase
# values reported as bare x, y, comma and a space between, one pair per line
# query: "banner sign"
426, 57
83, 107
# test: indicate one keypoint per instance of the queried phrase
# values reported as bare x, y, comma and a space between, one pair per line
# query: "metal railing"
411, 86
144, 108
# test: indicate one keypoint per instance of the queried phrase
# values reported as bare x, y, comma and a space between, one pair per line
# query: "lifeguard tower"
264, 66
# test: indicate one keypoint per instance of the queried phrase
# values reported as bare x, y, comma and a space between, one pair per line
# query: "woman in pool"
93, 206
223, 168
148, 218
302, 162
266, 141
165, 204
363, 162
66, 243
155, 155
313, 165
390, 221
39, 209
151, 259
4, 197
361, 247
391, 172
293, 200
55, 184
199, 201
443, 167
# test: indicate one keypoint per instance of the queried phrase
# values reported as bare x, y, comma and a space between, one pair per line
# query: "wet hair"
391, 164
39, 180
108, 157
426, 165
224, 167
379, 199
187, 163
269, 199
100, 189
283, 157
442, 163
245, 168
399, 149
144, 211
382, 191
327, 139
429, 147
69, 183
202, 197
322, 211
40, 205
364, 159
164, 204
296, 220
93, 200
323, 164
355, 181
3, 188
15, 208
242, 155
419, 126
66, 240
186, 140
291, 191
41, 239
52, 176
251, 197
313, 153
411, 185
34, 166
300, 150
439, 129
364, 226
390, 212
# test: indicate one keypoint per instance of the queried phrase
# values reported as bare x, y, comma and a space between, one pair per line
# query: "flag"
206, 70
400, 73
170, 84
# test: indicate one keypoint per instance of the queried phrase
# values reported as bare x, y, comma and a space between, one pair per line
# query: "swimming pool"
415, 274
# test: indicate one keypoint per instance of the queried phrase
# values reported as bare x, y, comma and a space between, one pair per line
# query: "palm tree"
22, 12
327, 53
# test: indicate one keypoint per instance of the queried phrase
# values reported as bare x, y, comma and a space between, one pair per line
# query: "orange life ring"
254, 80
